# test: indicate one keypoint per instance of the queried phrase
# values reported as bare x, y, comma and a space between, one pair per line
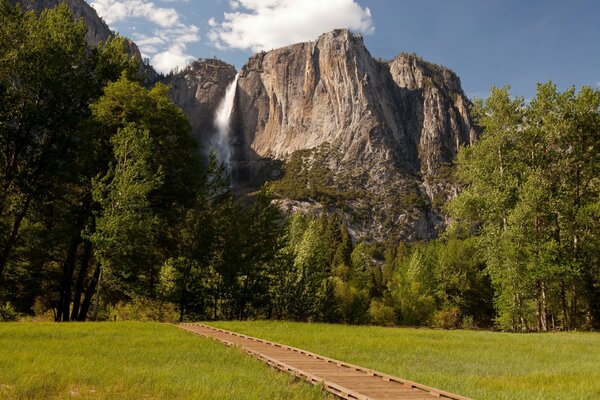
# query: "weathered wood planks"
342, 379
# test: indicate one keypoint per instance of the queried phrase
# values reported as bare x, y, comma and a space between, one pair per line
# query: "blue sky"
486, 42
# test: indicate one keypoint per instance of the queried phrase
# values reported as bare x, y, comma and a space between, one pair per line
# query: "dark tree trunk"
83, 270
216, 303
65, 284
573, 317
89, 294
183, 300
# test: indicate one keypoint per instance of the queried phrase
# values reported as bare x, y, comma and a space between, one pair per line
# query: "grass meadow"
478, 364
132, 361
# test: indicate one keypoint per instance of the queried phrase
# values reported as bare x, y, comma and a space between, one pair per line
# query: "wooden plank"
342, 379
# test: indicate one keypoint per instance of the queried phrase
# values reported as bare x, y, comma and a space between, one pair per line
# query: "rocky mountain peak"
380, 136
97, 30
412, 72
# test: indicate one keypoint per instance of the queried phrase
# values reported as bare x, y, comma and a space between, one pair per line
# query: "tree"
531, 184
153, 181
44, 81
127, 228
48, 78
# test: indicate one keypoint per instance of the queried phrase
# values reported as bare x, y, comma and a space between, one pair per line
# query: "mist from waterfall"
221, 142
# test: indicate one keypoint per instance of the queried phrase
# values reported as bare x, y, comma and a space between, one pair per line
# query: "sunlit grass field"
132, 361
480, 365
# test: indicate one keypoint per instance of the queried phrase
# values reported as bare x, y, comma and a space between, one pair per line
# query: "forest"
109, 212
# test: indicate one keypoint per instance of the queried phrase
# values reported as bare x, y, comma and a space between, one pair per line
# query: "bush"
42, 310
412, 304
7, 313
381, 314
140, 309
448, 318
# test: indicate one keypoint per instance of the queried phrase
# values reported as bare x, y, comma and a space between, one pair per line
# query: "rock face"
198, 89
97, 29
376, 137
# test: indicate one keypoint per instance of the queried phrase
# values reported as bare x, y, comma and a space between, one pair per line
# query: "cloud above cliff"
166, 45
267, 24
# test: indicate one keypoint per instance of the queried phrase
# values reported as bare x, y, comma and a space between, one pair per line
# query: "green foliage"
448, 318
381, 314
413, 304
323, 277
150, 186
51, 151
113, 60
328, 307
529, 183
127, 231
46, 85
308, 177
144, 309
7, 313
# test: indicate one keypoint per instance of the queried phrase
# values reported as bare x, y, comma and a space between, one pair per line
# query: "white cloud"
173, 56
166, 47
268, 24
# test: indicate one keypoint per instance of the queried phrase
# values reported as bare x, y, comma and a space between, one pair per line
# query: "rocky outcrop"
307, 94
435, 94
198, 89
376, 137
97, 30
372, 138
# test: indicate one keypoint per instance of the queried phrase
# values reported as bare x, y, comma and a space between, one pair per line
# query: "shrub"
7, 313
381, 314
447, 318
42, 310
140, 309
412, 303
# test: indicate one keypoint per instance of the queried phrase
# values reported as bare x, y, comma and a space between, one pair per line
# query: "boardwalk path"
342, 379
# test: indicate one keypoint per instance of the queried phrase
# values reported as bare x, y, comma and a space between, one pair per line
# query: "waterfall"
223, 123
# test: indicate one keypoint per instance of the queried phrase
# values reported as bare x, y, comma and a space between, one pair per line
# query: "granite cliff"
332, 128
198, 89
374, 139
97, 29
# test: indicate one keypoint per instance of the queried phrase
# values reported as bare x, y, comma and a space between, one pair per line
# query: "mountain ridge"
391, 128
336, 129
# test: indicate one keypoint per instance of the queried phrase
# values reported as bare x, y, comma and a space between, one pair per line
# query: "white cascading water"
221, 141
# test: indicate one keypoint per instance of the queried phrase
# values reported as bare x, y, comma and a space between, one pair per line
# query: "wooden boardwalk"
344, 380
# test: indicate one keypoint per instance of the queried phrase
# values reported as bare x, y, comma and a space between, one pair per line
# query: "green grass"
132, 361
480, 365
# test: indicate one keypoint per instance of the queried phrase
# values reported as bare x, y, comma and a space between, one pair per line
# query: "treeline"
107, 210
319, 275
309, 270
52, 152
